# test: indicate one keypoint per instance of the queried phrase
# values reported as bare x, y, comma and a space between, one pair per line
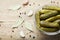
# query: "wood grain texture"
9, 17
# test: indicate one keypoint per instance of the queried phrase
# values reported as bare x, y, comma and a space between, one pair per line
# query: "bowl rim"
49, 33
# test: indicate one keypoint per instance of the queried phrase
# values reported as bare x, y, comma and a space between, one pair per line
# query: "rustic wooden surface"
10, 16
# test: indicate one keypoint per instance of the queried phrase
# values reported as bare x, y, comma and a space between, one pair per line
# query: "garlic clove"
18, 22
28, 25
30, 13
22, 34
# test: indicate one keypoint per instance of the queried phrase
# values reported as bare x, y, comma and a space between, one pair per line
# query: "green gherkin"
53, 18
49, 29
48, 15
44, 11
37, 16
49, 24
57, 20
52, 8
47, 19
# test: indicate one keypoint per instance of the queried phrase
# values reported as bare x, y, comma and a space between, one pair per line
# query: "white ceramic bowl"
50, 33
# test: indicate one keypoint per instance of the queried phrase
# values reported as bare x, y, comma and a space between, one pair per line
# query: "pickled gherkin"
49, 24
52, 8
48, 19
44, 11
48, 15
58, 21
53, 18
37, 16
49, 29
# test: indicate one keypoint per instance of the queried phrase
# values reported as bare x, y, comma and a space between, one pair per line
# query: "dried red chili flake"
26, 3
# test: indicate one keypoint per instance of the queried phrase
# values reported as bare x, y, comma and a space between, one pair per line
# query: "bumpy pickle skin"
57, 21
45, 11
49, 29
47, 19
49, 24
53, 18
48, 15
52, 8
37, 16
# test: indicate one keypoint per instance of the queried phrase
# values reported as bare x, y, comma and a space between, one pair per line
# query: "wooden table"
9, 17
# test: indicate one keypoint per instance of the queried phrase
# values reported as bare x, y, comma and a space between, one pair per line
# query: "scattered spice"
26, 3
52, 1
20, 13
29, 35
11, 36
29, 4
12, 30
19, 16
0, 38
33, 37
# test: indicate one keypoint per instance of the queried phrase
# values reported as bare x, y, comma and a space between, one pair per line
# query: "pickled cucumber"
58, 21
53, 18
48, 19
52, 8
49, 29
49, 24
48, 15
37, 16
44, 11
